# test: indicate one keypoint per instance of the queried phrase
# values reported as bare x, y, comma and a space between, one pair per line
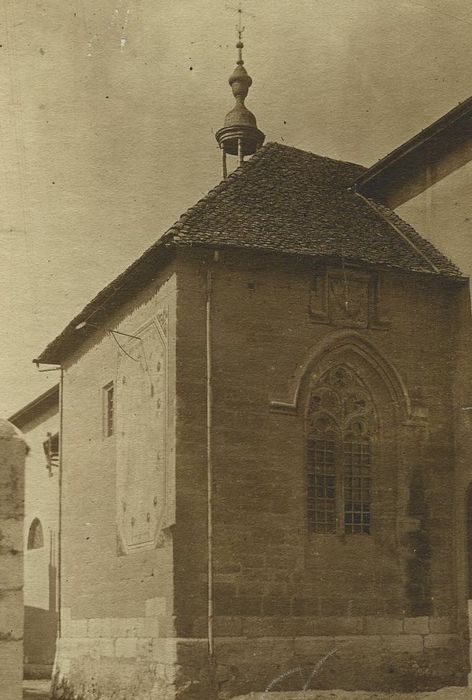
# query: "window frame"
108, 410
335, 439
51, 447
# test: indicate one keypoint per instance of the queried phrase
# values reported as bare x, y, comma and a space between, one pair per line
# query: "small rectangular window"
108, 409
51, 450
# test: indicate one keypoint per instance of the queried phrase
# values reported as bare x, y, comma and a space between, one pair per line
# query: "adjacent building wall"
12, 462
442, 215
40, 422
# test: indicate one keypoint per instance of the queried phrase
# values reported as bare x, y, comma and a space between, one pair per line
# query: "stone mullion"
339, 462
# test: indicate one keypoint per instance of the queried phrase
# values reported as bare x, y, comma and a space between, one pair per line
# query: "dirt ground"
444, 694
39, 690
36, 690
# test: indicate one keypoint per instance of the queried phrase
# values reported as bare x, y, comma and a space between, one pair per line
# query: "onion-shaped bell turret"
240, 135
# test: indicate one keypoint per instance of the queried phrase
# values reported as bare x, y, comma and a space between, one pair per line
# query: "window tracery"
340, 431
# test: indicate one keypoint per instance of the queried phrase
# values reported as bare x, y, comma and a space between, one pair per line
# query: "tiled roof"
291, 201
282, 200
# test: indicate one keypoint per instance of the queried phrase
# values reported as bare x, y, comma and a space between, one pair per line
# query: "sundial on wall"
141, 436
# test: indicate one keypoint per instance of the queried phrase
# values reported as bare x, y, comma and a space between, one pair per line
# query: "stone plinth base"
166, 669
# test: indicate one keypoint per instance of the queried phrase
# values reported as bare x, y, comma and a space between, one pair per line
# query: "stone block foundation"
153, 668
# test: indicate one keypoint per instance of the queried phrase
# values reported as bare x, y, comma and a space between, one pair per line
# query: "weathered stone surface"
445, 641
338, 625
406, 643
11, 614
441, 625
11, 668
383, 625
416, 625
12, 463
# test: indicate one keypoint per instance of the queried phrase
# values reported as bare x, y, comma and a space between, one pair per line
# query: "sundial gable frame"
143, 432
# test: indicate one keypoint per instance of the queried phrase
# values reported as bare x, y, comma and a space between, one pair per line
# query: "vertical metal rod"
240, 152
209, 421
59, 534
225, 170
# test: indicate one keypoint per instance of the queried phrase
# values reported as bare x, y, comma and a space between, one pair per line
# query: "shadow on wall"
40, 634
39, 642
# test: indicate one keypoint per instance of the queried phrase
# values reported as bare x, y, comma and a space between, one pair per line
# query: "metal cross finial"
240, 11
239, 27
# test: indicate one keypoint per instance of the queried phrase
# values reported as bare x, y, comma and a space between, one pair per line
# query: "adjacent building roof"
283, 200
429, 156
39, 405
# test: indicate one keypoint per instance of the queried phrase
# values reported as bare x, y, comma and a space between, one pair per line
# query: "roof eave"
400, 175
41, 402
113, 295
53, 354
327, 258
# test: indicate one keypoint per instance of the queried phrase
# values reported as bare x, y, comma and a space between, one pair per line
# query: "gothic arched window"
35, 535
340, 428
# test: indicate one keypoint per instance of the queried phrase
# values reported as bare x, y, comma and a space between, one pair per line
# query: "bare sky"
109, 111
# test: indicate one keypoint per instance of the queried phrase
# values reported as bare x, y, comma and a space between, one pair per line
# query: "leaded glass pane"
357, 477
321, 485
340, 424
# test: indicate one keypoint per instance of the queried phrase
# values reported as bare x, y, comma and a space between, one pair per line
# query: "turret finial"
240, 135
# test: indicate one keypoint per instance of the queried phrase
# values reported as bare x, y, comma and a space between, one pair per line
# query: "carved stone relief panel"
346, 297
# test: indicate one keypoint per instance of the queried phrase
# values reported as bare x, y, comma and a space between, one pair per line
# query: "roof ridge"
287, 147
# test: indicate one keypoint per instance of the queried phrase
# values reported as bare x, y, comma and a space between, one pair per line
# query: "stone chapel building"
260, 447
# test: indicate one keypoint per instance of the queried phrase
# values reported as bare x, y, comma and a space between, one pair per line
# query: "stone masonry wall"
12, 463
461, 344
117, 625
383, 608
374, 611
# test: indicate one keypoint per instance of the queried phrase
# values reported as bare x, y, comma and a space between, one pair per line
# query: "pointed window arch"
340, 433
35, 535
